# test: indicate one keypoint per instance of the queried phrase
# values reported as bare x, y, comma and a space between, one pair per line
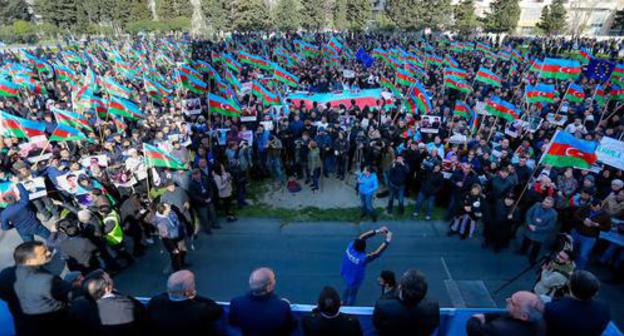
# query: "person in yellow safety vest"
113, 233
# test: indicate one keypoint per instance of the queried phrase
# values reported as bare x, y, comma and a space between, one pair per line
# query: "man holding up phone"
355, 260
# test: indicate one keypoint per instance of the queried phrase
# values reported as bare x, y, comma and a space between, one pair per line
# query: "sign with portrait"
191, 106
430, 124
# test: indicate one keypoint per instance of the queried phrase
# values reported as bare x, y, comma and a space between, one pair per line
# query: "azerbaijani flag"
192, 82
488, 77
497, 107
8, 88
575, 93
385, 82
483, 47
457, 83
559, 68
450, 61
285, 77
419, 95
231, 63
463, 110
268, 98
71, 119
404, 78
254, 60
115, 89
65, 132
156, 157
584, 55
536, 65
222, 106
617, 92
434, 60
455, 72
600, 95
567, 151
618, 71
16, 127
124, 108
540, 93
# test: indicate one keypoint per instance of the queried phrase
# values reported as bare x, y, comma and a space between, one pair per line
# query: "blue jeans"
429, 201
398, 193
583, 245
366, 202
349, 295
40, 231
275, 165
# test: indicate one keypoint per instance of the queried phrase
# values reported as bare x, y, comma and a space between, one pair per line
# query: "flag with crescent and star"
599, 69
565, 150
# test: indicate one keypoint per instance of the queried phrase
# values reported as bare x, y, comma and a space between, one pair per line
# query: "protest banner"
611, 152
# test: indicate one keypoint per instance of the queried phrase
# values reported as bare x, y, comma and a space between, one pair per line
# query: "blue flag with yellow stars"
599, 69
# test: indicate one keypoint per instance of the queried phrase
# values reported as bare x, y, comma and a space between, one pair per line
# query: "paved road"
307, 256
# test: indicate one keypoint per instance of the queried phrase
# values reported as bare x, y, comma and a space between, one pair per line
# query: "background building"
585, 17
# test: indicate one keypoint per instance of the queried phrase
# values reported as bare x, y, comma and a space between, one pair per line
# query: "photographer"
554, 276
355, 259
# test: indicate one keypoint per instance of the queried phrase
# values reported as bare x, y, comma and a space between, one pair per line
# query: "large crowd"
109, 145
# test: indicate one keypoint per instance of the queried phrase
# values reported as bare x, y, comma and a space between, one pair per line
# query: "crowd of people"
104, 151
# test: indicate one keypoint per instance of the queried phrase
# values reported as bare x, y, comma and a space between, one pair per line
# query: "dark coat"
601, 217
116, 315
197, 316
568, 316
432, 183
502, 324
43, 299
261, 315
199, 192
398, 175
394, 317
315, 324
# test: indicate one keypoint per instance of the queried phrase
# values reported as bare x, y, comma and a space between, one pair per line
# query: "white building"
585, 17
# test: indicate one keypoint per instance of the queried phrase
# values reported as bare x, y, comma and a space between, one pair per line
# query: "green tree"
503, 16
313, 15
169, 9
419, 14
287, 17
359, 12
340, 15
544, 22
558, 17
139, 10
218, 14
250, 15
64, 14
465, 18
13, 10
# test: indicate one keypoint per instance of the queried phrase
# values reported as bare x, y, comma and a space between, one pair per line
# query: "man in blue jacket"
367, 186
355, 260
19, 215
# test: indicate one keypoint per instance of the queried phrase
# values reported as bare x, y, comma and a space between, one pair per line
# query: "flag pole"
533, 174
493, 128
604, 110
561, 103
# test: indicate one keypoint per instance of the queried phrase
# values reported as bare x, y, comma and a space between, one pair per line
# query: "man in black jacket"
181, 311
41, 295
578, 314
397, 178
201, 193
523, 318
327, 320
103, 311
409, 313
431, 184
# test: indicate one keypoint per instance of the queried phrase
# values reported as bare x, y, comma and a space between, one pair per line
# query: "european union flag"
364, 58
599, 69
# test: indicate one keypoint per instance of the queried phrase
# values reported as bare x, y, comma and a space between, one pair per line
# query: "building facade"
585, 17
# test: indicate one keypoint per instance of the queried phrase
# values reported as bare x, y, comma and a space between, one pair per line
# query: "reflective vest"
114, 236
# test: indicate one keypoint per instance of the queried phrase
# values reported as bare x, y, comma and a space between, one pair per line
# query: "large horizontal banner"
611, 152
362, 98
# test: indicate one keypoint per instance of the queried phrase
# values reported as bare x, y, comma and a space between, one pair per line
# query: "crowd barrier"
452, 320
